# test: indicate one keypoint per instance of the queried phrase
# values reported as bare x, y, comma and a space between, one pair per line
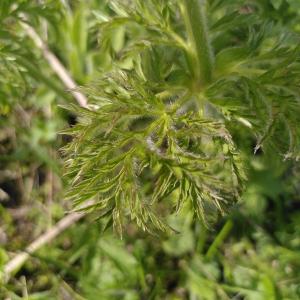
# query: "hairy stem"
196, 25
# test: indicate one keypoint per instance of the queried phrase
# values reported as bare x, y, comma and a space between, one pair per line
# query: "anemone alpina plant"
161, 133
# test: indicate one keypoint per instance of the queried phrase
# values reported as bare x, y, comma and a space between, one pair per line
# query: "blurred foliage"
252, 253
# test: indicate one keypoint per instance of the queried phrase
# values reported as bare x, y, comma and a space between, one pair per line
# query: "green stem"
196, 25
219, 239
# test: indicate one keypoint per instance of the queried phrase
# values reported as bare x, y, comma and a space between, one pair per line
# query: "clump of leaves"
158, 135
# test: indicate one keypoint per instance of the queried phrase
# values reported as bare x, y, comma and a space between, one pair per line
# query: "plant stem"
219, 239
16, 262
196, 25
56, 65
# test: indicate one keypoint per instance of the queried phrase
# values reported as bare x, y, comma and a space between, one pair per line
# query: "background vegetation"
253, 252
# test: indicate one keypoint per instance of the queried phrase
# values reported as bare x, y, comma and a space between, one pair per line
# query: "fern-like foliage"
158, 134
